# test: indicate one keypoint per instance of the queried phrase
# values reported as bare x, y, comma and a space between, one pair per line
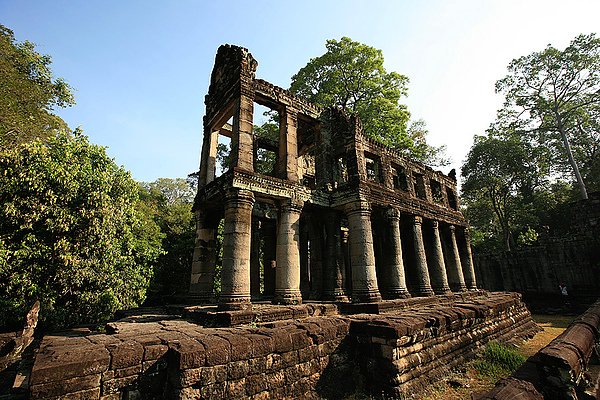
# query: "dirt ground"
460, 384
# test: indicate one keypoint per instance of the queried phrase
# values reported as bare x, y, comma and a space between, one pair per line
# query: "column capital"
435, 224
452, 229
291, 205
417, 220
239, 198
291, 111
392, 214
360, 206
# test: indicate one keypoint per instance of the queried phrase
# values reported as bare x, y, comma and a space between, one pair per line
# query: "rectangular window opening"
266, 139
224, 148
399, 178
373, 167
436, 191
342, 170
451, 198
420, 186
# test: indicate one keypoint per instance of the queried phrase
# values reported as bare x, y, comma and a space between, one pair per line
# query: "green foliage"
28, 92
168, 202
420, 150
265, 160
70, 233
517, 176
499, 361
350, 75
553, 99
501, 175
527, 237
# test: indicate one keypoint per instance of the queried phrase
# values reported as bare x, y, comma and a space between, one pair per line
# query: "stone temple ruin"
363, 251
336, 216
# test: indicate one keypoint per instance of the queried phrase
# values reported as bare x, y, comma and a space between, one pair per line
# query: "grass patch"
498, 361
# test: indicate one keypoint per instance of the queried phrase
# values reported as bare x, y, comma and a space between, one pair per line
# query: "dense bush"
70, 233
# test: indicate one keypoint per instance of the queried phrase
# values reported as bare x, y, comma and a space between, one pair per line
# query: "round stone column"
255, 260
439, 280
333, 285
235, 273
362, 256
424, 284
394, 263
469, 268
455, 271
204, 259
287, 274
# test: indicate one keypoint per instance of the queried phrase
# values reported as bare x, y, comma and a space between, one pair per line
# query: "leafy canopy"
351, 75
519, 175
71, 234
168, 202
501, 176
28, 92
553, 98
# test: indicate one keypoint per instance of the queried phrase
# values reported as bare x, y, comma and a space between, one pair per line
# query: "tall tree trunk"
565, 139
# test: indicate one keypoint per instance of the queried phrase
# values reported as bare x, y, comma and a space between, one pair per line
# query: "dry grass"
469, 381
553, 326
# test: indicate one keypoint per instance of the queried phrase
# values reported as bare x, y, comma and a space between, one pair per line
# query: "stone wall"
314, 357
401, 354
561, 370
568, 256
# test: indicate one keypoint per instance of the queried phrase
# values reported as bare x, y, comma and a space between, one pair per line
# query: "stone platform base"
316, 355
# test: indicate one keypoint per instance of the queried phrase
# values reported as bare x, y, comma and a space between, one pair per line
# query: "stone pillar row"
434, 272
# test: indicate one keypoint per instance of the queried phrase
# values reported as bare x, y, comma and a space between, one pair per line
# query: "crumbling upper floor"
319, 156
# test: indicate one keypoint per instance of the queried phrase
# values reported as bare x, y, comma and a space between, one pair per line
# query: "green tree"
420, 150
553, 97
71, 234
28, 92
350, 75
169, 203
501, 176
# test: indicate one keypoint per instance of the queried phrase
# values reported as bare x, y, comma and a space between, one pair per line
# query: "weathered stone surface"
65, 362
218, 350
188, 353
125, 354
62, 387
512, 389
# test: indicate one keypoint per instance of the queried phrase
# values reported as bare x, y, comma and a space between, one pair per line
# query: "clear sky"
140, 69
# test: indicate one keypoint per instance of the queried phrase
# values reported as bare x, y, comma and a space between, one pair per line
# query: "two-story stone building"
336, 216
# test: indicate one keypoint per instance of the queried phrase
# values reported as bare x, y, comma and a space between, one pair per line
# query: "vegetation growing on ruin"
351, 76
499, 361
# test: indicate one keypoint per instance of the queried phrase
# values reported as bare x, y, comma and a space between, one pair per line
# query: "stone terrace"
319, 356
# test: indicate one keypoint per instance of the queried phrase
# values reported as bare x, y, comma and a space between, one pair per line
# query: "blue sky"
140, 69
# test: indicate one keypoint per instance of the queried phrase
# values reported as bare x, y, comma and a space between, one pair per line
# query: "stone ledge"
306, 357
